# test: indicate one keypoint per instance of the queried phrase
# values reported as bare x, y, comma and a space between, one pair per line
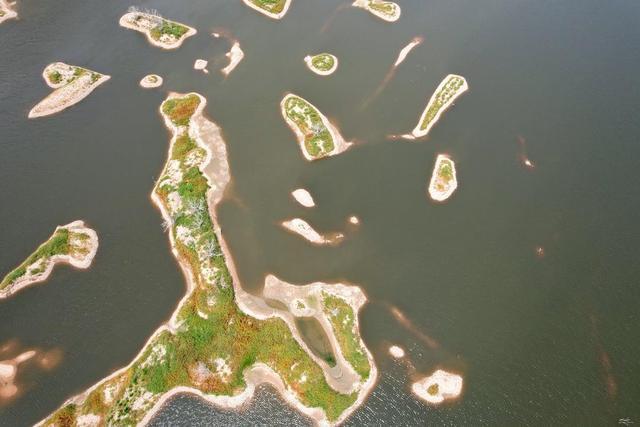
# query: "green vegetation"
343, 321
448, 91
388, 8
55, 77
433, 389
272, 6
323, 62
211, 324
318, 141
445, 171
169, 28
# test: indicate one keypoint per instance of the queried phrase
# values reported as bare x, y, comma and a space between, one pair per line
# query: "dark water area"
539, 340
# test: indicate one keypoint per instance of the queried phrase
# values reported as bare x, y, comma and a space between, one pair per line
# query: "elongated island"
317, 137
386, 10
221, 342
6, 11
302, 228
446, 93
275, 9
71, 85
323, 64
443, 179
160, 32
74, 244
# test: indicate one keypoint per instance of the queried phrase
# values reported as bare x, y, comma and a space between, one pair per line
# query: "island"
6, 11
396, 352
275, 9
235, 55
303, 197
443, 179
8, 372
74, 244
221, 342
386, 10
405, 50
447, 91
302, 228
354, 220
438, 387
160, 32
71, 85
323, 64
201, 65
151, 81
317, 137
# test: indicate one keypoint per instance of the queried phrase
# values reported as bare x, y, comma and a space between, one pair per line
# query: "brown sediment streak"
332, 17
408, 324
606, 369
522, 156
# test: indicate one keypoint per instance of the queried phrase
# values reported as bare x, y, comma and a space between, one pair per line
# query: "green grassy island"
386, 10
71, 85
317, 137
160, 32
323, 64
443, 179
275, 9
221, 342
446, 93
73, 243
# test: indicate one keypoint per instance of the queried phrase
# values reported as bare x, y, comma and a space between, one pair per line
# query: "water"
528, 334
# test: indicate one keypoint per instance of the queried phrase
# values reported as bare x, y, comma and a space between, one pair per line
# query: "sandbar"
160, 32
71, 85
386, 10
405, 50
201, 65
74, 244
303, 197
302, 228
6, 11
438, 387
396, 352
273, 9
323, 64
443, 179
151, 81
235, 55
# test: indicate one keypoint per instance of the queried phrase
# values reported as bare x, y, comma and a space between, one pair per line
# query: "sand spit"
201, 65
8, 372
153, 26
405, 50
396, 352
339, 144
6, 11
302, 228
269, 13
438, 387
303, 197
386, 10
443, 179
235, 55
309, 60
83, 245
354, 220
71, 85
151, 81
443, 98
214, 166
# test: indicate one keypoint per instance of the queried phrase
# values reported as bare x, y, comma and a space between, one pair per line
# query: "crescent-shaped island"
221, 341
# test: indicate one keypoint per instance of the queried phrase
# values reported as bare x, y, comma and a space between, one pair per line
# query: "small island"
438, 387
386, 10
6, 11
275, 9
71, 83
201, 65
235, 55
443, 179
303, 197
396, 352
446, 93
222, 342
151, 81
303, 228
73, 244
160, 32
317, 137
323, 64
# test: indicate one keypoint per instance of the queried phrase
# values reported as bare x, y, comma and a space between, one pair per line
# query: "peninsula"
73, 244
160, 32
438, 387
6, 11
317, 137
71, 85
386, 10
151, 81
275, 9
302, 228
446, 93
323, 64
221, 341
443, 179
235, 55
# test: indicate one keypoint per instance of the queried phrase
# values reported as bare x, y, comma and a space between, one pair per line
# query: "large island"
74, 244
71, 85
160, 32
221, 342
317, 137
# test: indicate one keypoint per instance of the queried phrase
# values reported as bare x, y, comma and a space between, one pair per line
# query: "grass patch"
180, 110
273, 6
323, 62
447, 92
318, 141
172, 29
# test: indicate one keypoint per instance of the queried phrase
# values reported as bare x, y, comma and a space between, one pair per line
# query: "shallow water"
530, 335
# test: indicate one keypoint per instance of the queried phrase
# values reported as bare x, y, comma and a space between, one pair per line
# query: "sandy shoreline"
127, 21
235, 55
271, 15
7, 9
151, 81
439, 190
82, 263
365, 4
438, 387
309, 61
405, 50
303, 197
